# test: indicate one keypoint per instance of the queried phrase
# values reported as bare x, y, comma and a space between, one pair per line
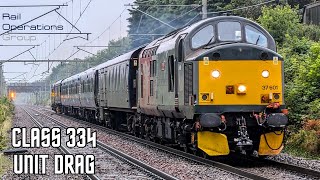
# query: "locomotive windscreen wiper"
209, 41
258, 40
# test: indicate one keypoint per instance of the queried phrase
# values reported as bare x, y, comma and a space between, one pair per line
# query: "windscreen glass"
254, 36
229, 31
203, 37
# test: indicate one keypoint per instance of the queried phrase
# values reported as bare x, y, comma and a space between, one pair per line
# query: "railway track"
220, 165
151, 171
290, 167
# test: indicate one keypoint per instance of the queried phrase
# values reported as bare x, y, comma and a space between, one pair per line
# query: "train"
210, 88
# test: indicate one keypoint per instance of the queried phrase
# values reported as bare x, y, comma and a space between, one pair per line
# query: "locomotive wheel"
263, 157
186, 149
195, 151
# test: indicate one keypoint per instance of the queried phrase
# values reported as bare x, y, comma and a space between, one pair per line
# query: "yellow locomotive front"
239, 100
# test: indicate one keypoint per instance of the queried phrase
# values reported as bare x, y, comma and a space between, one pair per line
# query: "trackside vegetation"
300, 46
6, 112
298, 43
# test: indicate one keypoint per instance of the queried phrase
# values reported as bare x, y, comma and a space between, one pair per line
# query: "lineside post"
204, 9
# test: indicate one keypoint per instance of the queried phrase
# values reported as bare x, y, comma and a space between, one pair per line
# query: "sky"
89, 16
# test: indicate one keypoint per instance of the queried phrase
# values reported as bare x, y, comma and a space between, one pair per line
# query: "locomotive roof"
189, 28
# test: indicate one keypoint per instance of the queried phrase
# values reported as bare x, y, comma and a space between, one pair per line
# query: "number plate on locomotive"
270, 87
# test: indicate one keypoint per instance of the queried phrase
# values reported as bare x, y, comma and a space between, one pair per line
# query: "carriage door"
134, 82
96, 87
178, 66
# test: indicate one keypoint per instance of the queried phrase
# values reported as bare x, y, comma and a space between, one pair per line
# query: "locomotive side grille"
188, 83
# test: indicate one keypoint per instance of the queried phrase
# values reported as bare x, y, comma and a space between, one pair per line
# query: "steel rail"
272, 163
298, 169
120, 155
191, 157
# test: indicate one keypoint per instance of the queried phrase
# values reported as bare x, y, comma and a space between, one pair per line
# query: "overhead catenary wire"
241, 8
179, 17
165, 5
108, 27
44, 42
81, 14
42, 53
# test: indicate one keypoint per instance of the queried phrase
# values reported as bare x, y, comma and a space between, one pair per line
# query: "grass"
5, 127
298, 152
5, 164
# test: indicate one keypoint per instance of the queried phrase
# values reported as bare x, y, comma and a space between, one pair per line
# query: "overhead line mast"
204, 9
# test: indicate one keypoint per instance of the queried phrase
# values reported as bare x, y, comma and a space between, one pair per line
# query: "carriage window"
254, 36
141, 85
153, 68
170, 73
229, 31
203, 37
151, 87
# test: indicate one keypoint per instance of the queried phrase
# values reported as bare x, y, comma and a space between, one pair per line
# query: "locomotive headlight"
265, 74
242, 89
215, 74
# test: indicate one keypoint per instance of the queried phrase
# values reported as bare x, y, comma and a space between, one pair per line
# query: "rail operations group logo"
15, 27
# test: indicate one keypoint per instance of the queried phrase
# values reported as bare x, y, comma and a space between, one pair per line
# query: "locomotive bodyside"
215, 86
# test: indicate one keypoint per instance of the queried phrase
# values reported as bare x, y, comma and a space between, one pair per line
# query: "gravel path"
21, 119
176, 166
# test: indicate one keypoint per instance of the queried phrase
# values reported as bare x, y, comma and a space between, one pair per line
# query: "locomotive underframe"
176, 132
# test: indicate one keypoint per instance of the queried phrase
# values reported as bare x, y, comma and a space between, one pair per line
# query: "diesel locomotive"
213, 87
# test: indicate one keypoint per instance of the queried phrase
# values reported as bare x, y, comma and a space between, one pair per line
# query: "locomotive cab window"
254, 36
229, 31
203, 37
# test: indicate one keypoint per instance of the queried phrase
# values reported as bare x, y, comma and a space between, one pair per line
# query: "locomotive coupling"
277, 120
210, 120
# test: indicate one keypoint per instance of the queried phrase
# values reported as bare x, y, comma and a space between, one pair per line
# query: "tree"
252, 13
280, 21
64, 70
300, 3
144, 29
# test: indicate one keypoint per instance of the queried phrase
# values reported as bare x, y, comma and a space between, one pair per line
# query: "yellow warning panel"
214, 144
271, 143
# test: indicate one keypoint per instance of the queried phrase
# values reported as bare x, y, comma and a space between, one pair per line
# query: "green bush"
306, 141
6, 110
310, 31
279, 21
